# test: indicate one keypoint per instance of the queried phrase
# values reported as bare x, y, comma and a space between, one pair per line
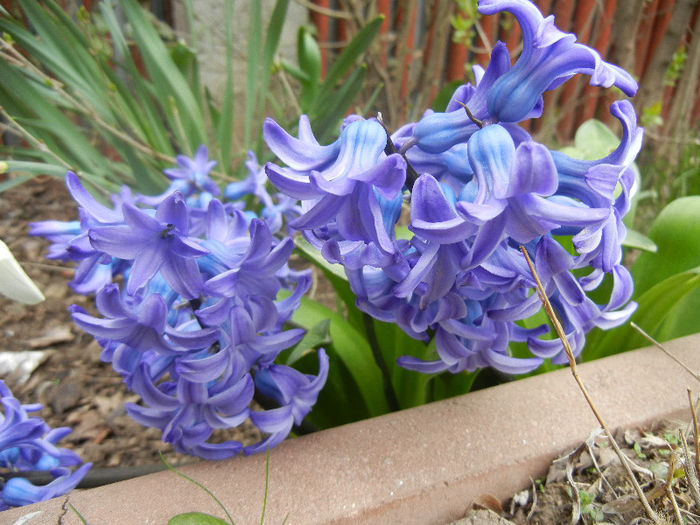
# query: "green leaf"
252, 69
352, 349
309, 73
595, 140
331, 109
676, 232
350, 54
196, 518
224, 125
655, 306
316, 336
635, 239
448, 385
272, 40
444, 95
410, 386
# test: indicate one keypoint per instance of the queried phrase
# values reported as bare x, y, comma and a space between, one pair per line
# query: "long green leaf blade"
253, 66
352, 52
352, 349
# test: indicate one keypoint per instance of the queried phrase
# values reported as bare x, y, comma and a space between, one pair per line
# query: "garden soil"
78, 390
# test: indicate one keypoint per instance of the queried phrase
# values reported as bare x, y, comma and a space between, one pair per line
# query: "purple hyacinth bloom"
189, 411
199, 314
18, 491
69, 240
344, 184
296, 393
506, 198
437, 132
593, 182
549, 58
193, 174
28, 443
159, 243
143, 326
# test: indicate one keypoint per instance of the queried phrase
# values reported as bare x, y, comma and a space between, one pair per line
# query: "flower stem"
379, 359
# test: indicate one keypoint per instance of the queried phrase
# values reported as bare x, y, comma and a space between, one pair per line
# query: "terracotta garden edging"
423, 465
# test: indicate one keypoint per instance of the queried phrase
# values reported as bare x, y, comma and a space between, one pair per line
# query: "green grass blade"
74, 146
350, 55
272, 39
252, 72
14, 181
33, 168
133, 103
225, 122
168, 80
331, 109
198, 484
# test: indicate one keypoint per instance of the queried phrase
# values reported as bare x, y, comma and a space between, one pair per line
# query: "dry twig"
572, 364
661, 347
669, 489
695, 429
690, 472
534, 501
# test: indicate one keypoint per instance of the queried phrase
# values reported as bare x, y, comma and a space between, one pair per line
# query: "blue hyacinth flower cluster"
478, 187
186, 289
27, 443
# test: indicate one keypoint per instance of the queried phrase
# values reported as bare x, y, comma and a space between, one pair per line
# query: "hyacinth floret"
507, 95
196, 325
27, 443
483, 188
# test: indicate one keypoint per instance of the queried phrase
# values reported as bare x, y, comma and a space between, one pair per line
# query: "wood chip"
52, 336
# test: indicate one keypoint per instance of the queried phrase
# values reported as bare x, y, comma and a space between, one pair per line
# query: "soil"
78, 390
595, 474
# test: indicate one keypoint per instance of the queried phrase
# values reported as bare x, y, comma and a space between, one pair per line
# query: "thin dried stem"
572, 363
695, 429
691, 473
531, 513
669, 489
333, 13
26, 135
471, 115
482, 35
661, 347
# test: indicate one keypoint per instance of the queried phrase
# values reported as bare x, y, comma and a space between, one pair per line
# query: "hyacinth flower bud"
549, 58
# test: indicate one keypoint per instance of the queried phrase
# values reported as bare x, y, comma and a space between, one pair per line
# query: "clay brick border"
424, 465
